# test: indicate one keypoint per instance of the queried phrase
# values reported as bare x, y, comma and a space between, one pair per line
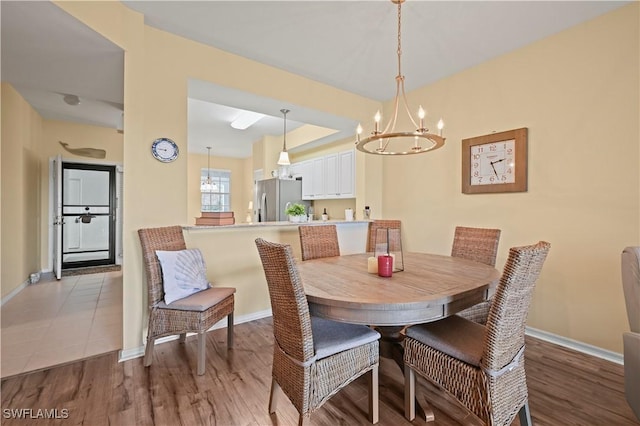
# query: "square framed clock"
495, 163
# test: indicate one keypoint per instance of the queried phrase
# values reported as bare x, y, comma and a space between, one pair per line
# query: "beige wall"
19, 218
577, 92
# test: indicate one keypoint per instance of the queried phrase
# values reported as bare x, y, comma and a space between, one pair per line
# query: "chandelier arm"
391, 124
406, 106
384, 148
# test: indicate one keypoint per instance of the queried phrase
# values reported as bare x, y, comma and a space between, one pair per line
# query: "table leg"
391, 347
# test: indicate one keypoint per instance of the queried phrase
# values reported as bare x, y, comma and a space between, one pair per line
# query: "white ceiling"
347, 44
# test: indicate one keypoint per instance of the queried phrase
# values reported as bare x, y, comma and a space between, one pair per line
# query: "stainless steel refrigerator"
274, 195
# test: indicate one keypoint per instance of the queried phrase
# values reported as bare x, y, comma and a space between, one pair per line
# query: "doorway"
89, 215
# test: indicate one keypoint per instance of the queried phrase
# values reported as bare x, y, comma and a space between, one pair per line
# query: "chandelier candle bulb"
377, 119
440, 127
421, 116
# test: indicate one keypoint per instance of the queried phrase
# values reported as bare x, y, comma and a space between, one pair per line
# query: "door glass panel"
86, 215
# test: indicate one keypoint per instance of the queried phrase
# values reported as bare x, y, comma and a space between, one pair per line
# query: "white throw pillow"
183, 273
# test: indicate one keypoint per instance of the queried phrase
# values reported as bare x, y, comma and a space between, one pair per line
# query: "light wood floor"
566, 388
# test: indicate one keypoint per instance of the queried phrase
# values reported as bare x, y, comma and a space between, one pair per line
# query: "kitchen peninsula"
232, 258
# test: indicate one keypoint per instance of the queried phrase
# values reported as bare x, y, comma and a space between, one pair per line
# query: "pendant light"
284, 155
388, 141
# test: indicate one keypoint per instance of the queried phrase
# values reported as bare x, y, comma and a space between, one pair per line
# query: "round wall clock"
495, 162
165, 150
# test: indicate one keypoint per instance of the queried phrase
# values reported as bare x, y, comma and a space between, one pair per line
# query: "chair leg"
148, 351
273, 398
302, 420
524, 415
373, 395
409, 393
202, 350
230, 330
183, 337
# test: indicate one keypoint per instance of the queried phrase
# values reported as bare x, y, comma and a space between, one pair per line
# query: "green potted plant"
296, 212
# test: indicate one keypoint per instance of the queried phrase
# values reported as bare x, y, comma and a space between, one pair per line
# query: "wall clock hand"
494, 169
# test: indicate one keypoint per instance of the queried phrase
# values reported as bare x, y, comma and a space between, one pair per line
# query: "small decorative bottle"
325, 216
366, 213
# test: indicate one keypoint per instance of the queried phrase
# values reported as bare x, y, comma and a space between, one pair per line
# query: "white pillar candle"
372, 265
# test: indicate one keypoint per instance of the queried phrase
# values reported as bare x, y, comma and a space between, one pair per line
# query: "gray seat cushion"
455, 336
332, 337
200, 301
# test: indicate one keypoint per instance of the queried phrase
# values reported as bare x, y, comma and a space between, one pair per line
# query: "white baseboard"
530, 331
139, 351
576, 345
14, 292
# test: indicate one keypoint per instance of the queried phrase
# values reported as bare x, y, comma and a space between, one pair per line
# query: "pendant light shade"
283, 160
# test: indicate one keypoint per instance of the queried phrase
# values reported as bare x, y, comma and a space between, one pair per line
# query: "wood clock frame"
516, 138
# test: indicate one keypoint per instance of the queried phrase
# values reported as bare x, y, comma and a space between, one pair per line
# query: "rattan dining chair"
480, 245
193, 314
313, 358
379, 224
318, 241
481, 366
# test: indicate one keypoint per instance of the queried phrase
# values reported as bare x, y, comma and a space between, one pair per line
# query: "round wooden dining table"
430, 287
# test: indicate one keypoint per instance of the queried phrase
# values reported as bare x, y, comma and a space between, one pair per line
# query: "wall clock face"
165, 150
495, 162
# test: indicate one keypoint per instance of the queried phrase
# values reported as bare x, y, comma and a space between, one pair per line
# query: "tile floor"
53, 322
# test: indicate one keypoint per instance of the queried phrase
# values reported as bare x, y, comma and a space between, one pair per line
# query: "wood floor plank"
565, 388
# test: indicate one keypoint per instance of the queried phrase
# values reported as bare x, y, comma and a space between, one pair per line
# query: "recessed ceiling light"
246, 119
71, 100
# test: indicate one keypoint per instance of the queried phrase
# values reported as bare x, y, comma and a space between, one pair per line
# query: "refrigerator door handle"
263, 208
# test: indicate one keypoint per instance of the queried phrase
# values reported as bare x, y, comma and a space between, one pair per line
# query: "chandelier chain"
399, 39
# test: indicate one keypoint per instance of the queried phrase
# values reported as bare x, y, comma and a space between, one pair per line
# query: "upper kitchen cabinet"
329, 176
312, 173
339, 175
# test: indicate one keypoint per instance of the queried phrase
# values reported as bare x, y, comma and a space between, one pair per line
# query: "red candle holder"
385, 266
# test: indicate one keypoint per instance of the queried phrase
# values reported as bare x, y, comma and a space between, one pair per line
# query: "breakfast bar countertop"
281, 223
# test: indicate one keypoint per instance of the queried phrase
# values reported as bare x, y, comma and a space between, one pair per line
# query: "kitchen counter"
281, 223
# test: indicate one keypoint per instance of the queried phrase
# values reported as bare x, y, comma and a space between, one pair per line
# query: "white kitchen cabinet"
327, 177
295, 170
339, 174
306, 171
331, 172
311, 172
317, 178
